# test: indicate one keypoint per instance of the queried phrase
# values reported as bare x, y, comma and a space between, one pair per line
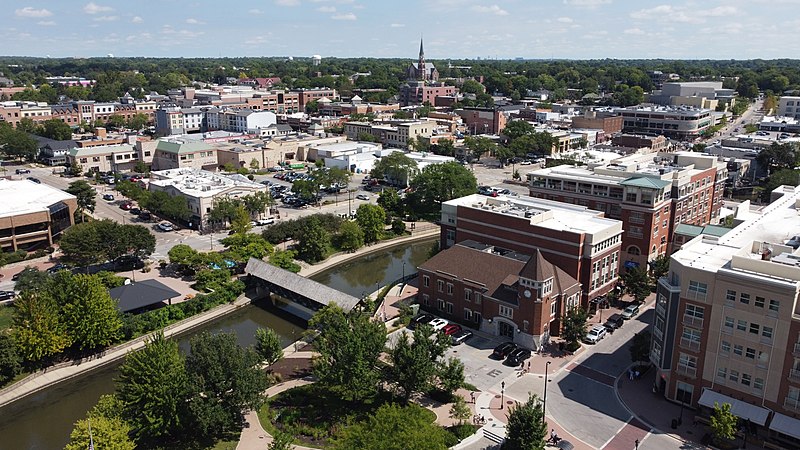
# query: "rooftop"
181, 146
201, 183
25, 197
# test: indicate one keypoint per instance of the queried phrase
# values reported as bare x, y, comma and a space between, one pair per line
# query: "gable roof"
141, 294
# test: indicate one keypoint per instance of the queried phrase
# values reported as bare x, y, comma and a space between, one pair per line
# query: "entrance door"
506, 330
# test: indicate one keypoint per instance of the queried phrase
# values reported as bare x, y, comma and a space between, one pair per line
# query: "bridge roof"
300, 285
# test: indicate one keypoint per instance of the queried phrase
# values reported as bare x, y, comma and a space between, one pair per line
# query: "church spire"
423, 74
421, 51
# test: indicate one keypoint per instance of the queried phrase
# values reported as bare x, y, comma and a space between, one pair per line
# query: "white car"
438, 323
165, 226
263, 222
596, 334
362, 197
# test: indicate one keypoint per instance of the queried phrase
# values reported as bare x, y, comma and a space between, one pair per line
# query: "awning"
786, 425
739, 408
631, 264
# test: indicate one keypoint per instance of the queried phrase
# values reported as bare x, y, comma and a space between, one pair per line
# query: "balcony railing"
792, 403
794, 374
690, 344
686, 370
691, 321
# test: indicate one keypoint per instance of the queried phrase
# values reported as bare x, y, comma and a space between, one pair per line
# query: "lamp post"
502, 394
544, 397
404, 271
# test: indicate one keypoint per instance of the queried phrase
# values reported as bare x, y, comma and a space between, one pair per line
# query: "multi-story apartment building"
649, 193
104, 158
33, 214
482, 120
180, 154
305, 96
414, 93
172, 120
789, 107
581, 242
681, 122
395, 134
75, 112
727, 320
500, 292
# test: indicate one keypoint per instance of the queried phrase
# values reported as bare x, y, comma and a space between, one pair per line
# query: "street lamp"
544, 397
502, 394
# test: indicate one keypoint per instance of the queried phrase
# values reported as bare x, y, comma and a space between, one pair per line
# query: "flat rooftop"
201, 183
544, 213
25, 197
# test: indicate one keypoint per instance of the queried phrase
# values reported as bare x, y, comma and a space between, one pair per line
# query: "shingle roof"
537, 268
645, 182
138, 295
474, 265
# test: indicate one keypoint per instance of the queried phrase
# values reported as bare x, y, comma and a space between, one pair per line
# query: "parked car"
517, 357
264, 222
35, 180
126, 206
145, 215
451, 329
438, 323
165, 226
503, 350
108, 197
57, 268
461, 336
22, 171
596, 334
7, 295
136, 211
362, 197
613, 322
630, 311
422, 319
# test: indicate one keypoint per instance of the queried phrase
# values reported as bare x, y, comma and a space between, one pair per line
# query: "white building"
789, 107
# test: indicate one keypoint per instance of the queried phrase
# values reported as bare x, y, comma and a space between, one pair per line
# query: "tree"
242, 247
444, 147
17, 143
660, 266
699, 147
391, 202
351, 237
312, 241
349, 345
137, 122
781, 177
451, 376
85, 195
105, 240
106, 433
479, 146
364, 136
285, 260
9, 359
224, 382
393, 427
439, 183
306, 189
240, 224
723, 422
268, 345
637, 283
526, 428
517, 129
575, 326
152, 388
90, 314
460, 410
371, 219
38, 330
395, 167
281, 441
32, 279
779, 156
640, 347
80, 245
414, 361
182, 255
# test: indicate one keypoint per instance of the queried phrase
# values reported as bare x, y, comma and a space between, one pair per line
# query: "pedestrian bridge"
304, 296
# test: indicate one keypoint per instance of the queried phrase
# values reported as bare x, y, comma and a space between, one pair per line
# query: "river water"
44, 420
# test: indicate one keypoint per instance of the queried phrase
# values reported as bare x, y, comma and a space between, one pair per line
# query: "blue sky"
573, 29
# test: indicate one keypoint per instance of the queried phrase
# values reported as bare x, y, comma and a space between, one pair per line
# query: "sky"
535, 29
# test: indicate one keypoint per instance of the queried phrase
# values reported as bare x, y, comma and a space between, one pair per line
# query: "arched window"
655, 249
634, 250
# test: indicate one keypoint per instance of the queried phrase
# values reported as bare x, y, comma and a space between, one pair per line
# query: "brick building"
581, 242
33, 214
482, 120
609, 122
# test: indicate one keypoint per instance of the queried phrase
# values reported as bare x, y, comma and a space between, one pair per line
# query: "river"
44, 420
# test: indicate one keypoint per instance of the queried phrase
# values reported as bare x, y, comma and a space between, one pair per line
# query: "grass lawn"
6, 317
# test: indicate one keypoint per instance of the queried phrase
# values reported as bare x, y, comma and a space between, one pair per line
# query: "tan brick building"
33, 214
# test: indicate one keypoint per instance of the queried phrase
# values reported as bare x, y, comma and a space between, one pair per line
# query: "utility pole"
544, 397
502, 394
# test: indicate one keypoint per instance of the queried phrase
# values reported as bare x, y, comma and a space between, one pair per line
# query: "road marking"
592, 374
494, 373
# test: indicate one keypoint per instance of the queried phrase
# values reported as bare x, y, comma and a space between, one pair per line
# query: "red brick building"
581, 242
501, 292
482, 120
610, 123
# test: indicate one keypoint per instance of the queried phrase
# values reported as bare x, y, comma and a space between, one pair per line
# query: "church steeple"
423, 74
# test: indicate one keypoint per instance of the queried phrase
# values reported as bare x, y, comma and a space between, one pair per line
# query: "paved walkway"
254, 436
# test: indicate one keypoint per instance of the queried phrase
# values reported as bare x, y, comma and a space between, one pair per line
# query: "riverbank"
53, 375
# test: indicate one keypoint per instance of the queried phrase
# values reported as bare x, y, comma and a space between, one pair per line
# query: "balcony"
686, 370
691, 321
794, 375
690, 344
792, 404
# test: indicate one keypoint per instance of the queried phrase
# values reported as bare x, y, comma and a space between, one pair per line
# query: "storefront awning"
631, 264
785, 425
739, 408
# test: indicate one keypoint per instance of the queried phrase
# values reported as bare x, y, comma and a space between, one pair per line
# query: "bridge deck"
285, 280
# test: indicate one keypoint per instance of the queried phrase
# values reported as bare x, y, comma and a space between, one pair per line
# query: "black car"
144, 215
503, 350
422, 319
517, 357
136, 211
35, 180
7, 295
461, 336
57, 268
613, 322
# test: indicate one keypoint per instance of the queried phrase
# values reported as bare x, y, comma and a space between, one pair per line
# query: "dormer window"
547, 287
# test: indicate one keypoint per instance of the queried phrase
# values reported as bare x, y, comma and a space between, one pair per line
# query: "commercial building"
201, 189
789, 107
104, 158
306, 96
609, 122
580, 241
33, 214
501, 292
482, 120
649, 193
727, 320
395, 134
680, 122
652, 144
182, 153
699, 94
416, 92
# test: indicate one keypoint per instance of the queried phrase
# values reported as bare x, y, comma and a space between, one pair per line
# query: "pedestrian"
472, 397
529, 366
637, 444
630, 374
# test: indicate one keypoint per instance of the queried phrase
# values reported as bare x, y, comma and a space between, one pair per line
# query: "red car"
126, 206
451, 329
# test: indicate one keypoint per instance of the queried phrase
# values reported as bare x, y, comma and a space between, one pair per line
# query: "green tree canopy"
85, 195
393, 427
414, 362
526, 428
106, 433
574, 325
10, 361
313, 241
395, 167
637, 283
268, 345
90, 314
640, 347
479, 146
372, 221
38, 330
723, 422
56, 129
439, 183
350, 237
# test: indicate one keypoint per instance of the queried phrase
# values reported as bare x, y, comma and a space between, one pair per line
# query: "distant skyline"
457, 29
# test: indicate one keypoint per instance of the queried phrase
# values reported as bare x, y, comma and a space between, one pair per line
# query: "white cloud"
397, 25
564, 20
587, 3
137, 19
287, 2
46, 23
494, 9
634, 31
105, 18
193, 21
94, 8
344, 16
327, 9
255, 11
30, 12
683, 14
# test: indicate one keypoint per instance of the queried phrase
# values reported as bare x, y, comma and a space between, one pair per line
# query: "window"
729, 323
449, 288
767, 332
476, 317
738, 349
684, 392
744, 298
759, 303
758, 383
741, 325
553, 308
426, 300
697, 290
694, 311
477, 298
468, 295
506, 311
734, 376
440, 304
426, 280
725, 347
440, 285
754, 328
449, 308
730, 296
722, 373
750, 353
746, 379
774, 305
467, 314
